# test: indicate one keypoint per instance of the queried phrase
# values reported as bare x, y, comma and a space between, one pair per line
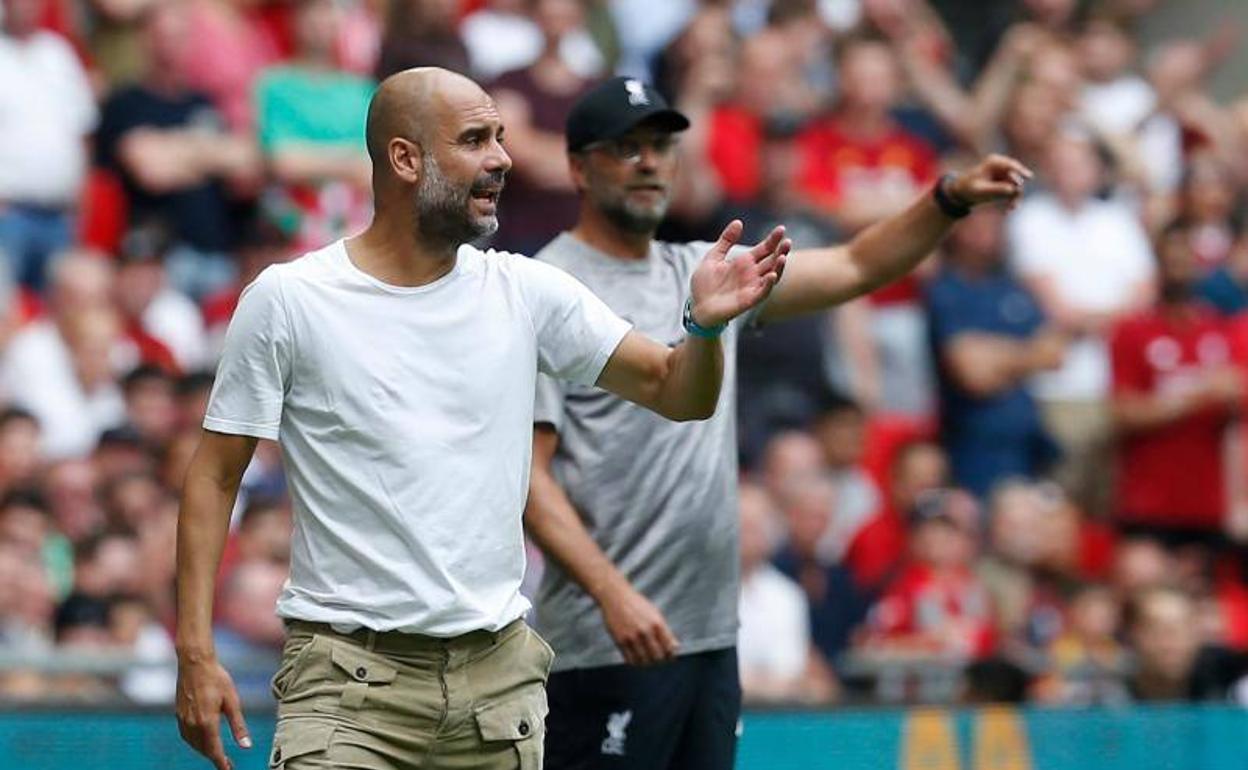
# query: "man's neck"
595, 230
390, 252
864, 124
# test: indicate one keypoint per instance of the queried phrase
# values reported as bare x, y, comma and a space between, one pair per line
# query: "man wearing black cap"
639, 516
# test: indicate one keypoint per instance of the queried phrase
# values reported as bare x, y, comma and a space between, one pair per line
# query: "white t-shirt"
1097, 257
37, 373
46, 111
775, 624
405, 416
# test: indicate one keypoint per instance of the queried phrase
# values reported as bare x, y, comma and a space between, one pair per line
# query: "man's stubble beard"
442, 210
630, 218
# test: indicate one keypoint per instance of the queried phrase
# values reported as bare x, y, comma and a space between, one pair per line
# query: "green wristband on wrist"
692, 327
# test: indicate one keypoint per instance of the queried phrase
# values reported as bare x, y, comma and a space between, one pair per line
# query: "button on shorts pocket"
298, 738
520, 719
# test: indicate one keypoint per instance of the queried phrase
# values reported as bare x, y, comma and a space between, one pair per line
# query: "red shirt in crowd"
1172, 475
835, 164
946, 612
734, 147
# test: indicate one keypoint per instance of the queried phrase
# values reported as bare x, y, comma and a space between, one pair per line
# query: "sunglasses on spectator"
629, 149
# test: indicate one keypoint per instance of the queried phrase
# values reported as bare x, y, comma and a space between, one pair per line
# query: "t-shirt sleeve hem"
599, 362
241, 428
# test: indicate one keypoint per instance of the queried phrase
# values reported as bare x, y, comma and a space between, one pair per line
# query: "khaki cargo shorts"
390, 701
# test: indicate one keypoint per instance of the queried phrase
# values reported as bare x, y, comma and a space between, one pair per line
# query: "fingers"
210, 736
234, 713
1008, 166
728, 238
768, 245
774, 263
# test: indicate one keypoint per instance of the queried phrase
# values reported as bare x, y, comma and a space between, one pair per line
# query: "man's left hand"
995, 178
724, 288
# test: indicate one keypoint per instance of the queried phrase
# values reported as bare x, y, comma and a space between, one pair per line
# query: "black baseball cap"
615, 107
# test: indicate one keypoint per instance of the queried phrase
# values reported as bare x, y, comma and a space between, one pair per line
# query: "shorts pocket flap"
360, 667
513, 719
297, 739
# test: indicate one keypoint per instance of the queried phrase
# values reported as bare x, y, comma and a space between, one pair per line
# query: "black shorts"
682, 715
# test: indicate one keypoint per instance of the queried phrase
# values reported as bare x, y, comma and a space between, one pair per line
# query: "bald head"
409, 105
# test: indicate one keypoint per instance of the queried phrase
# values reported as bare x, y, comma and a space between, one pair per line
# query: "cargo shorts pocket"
520, 720
364, 671
299, 738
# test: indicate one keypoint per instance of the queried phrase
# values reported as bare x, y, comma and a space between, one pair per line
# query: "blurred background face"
1208, 191
1178, 267
1095, 614
789, 457
1074, 169
808, 512
168, 32
316, 28
558, 18
869, 80
1105, 52
19, 450
758, 527
1140, 565
977, 241
1166, 635
25, 527
247, 606
265, 535
69, 489
843, 436
21, 17
918, 468
1016, 516
153, 409
1052, 13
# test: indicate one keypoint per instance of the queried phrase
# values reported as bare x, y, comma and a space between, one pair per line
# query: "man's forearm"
694, 377
553, 523
203, 524
892, 247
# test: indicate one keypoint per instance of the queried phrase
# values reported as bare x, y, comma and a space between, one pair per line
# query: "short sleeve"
548, 403
576, 331
251, 379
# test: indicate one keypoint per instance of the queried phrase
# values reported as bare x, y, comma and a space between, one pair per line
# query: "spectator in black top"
1172, 662
170, 148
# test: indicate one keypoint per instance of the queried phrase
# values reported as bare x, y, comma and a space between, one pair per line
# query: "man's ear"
576, 168
406, 159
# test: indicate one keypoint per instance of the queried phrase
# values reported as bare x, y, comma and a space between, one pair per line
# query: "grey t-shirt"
659, 497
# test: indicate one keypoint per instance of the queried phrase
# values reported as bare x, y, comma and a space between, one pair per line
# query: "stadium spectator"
841, 429
1226, 287
1177, 380
1171, 663
225, 53
535, 102
1088, 262
151, 408
811, 508
937, 606
989, 337
20, 458
161, 321
68, 486
778, 660
502, 36
1087, 659
247, 632
49, 112
177, 161
63, 368
1211, 210
790, 456
310, 124
27, 601
878, 549
421, 33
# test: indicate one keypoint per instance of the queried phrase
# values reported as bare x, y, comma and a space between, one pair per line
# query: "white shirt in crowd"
46, 111
498, 42
38, 375
175, 320
1096, 258
775, 624
405, 416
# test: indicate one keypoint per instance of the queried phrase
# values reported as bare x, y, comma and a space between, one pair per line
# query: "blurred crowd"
1024, 463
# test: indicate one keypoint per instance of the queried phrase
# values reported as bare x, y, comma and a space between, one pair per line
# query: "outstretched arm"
819, 278
683, 383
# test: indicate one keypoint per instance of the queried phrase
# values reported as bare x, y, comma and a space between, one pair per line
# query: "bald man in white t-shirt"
397, 370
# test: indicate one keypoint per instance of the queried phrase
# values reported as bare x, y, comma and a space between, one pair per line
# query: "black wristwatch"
951, 207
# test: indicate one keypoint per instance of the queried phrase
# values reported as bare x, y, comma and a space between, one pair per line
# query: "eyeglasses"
630, 149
